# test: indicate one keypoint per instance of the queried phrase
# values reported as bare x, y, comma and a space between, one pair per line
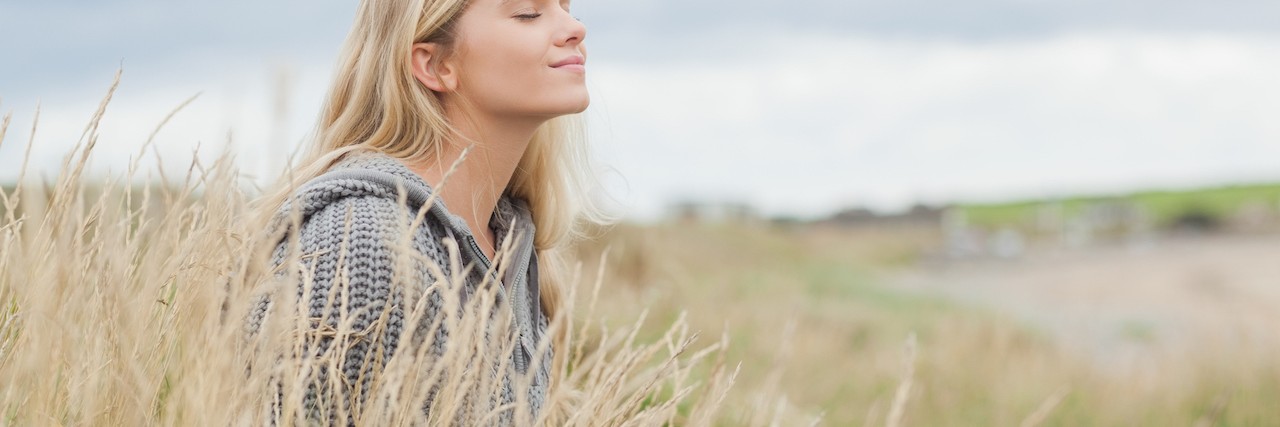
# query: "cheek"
504, 68
509, 73
508, 54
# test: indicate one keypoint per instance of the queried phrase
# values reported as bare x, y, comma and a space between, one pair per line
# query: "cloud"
237, 108
67, 47
799, 108
970, 19
62, 41
824, 121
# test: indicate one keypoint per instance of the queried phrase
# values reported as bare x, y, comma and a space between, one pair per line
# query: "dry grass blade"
1046, 407
903, 393
4, 126
133, 314
1214, 415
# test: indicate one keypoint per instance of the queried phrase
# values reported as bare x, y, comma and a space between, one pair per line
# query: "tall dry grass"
124, 305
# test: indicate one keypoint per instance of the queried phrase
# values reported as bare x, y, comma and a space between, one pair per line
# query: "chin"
583, 102
582, 107
567, 102
574, 106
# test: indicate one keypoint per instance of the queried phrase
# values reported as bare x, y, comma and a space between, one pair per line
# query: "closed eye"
527, 15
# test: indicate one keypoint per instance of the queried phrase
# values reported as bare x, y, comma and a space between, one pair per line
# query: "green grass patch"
1164, 207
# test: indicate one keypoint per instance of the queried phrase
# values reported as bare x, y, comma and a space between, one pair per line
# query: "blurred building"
712, 211
918, 216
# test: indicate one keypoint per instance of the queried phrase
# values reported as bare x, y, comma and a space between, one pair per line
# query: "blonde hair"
376, 104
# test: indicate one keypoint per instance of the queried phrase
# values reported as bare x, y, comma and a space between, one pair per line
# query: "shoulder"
373, 229
365, 187
364, 202
364, 213
369, 219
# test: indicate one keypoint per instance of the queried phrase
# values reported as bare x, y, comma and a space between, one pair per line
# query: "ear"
428, 68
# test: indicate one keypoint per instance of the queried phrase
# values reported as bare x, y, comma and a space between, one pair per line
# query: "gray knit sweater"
366, 185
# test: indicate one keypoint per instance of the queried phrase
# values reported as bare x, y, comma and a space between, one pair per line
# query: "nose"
574, 32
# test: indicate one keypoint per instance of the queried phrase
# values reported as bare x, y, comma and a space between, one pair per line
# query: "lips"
572, 60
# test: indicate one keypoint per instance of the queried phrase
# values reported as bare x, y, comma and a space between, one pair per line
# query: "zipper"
523, 274
524, 262
524, 327
483, 258
508, 291
523, 355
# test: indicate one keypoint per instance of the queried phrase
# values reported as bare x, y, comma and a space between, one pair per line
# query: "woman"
482, 92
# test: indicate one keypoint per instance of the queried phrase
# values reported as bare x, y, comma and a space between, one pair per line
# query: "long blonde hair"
376, 104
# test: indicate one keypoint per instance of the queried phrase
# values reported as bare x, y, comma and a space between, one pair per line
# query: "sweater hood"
377, 174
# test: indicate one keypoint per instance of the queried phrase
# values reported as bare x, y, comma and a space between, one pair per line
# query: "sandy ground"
1126, 304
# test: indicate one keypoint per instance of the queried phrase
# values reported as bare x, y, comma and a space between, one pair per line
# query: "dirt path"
1125, 305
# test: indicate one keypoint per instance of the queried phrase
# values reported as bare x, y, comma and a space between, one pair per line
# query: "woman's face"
521, 58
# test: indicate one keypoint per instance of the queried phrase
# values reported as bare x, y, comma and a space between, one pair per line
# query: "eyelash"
535, 15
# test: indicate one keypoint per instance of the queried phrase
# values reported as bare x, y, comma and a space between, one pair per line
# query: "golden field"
114, 298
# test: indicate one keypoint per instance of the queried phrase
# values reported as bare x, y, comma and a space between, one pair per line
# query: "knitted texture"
350, 225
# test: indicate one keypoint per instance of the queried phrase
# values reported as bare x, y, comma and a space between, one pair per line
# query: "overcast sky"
798, 108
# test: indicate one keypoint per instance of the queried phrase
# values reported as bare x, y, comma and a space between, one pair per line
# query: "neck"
473, 189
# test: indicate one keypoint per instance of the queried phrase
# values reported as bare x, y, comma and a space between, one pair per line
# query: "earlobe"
424, 61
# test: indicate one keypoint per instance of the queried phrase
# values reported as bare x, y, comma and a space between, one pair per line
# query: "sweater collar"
508, 209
